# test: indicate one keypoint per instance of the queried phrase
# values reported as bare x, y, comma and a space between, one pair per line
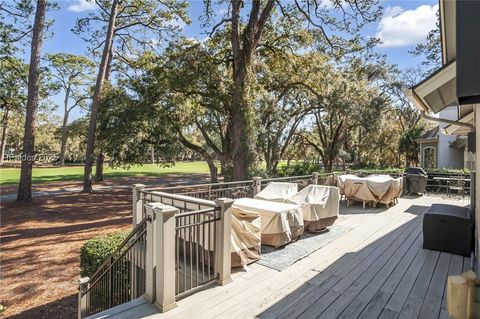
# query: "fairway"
55, 174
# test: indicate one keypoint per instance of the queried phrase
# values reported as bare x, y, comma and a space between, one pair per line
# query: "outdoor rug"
283, 257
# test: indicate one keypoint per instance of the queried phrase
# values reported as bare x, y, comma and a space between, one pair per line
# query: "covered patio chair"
320, 206
246, 237
277, 192
281, 223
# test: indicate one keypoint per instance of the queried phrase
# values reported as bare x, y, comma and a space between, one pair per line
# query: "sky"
403, 25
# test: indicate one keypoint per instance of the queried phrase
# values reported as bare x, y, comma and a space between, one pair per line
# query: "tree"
409, 146
430, 49
73, 75
15, 25
246, 33
345, 102
25, 184
13, 93
131, 24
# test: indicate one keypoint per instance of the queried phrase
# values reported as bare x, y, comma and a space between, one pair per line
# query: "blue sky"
404, 24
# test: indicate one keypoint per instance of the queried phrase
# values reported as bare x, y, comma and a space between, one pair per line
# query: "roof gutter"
440, 120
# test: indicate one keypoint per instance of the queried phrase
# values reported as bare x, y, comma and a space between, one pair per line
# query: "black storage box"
448, 228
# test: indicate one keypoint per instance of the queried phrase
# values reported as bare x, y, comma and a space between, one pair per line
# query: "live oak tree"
13, 95
73, 74
247, 21
345, 101
125, 26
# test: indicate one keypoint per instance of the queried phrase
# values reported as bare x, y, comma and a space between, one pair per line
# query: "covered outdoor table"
281, 223
246, 236
374, 188
278, 192
320, 206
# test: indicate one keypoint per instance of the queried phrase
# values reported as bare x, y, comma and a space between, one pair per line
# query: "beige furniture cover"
246, 236
374, 188
281, 223
277, 192
320, 206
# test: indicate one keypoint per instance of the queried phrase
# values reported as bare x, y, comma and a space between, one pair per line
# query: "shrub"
299, 169
97, 249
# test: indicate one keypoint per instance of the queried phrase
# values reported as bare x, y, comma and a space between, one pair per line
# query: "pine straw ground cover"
40, 245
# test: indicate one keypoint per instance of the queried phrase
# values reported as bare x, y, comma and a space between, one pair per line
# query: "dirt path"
40, 247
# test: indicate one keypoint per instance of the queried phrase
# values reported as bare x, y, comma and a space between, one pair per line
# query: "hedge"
97, 249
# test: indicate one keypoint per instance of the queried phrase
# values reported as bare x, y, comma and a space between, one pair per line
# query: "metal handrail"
115, 261
198, 185
180, 197
121, 246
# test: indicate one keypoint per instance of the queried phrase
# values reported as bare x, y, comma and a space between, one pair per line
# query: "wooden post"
137, 204
315, 178
82, 299
257, 185
160, 286
223, 254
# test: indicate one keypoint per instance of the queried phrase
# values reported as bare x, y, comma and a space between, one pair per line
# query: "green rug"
282, 258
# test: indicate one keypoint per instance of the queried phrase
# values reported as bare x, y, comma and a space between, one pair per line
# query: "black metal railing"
184, 203
195, 238
448, 182
213, 191
195, 249
121, 277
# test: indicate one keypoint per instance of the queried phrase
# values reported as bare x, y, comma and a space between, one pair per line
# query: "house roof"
453, 129
460, 142
447, 14
437, 91
430, 135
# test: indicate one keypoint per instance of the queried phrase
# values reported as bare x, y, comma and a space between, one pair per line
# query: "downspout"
440, 120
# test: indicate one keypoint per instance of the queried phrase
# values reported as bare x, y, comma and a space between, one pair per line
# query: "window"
429, 157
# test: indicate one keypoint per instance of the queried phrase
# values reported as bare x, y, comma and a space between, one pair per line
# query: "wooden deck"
376, 270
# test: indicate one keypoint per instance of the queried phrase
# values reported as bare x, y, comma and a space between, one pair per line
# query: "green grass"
75, 173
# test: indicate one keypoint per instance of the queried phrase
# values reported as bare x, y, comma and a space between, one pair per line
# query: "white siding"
448, 157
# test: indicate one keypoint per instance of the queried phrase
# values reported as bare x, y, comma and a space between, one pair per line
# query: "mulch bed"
40, 248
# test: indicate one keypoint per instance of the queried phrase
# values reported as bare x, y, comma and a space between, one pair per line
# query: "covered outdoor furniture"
277, 192
280, 223
320, 206
448, 228
371, 189
415, 180
246, 236
341, 182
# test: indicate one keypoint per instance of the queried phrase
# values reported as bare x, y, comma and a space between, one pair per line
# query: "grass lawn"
75, 173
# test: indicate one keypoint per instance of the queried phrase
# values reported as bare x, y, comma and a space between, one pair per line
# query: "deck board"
378, 269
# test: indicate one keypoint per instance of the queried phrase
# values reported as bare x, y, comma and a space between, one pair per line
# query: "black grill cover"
415, 180
415, 171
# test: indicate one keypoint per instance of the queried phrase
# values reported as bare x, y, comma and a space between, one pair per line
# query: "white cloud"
400, 27
82, 5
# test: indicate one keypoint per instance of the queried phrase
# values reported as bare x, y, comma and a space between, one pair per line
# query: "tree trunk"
242, 148
152, 154
25, 185
99, 167
102, 72
3, 142
213, 169
64, 141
